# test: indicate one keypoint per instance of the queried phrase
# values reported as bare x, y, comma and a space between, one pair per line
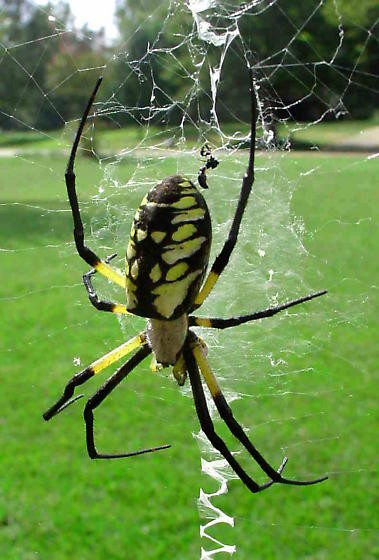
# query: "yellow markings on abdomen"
137, 215
155, 273
177, 271
189, 216
184, 232
184, 202
131, 299
141, 234
152, 204
131, 250
134, 270
172, 294
158, 236
190, 189
117, 353
185, 183
175, 253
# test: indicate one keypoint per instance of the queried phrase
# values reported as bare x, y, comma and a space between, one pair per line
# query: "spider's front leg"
223, 257
85, 252
101, 305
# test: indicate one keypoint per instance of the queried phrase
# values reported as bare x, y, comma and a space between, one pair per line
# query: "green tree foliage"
360, 23
305, 59
159, 68
353, 12
305, 55
40, 65
312, 59
70, 78
23, 64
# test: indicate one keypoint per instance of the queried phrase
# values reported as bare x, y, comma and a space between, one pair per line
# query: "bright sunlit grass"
57, 504
111, 141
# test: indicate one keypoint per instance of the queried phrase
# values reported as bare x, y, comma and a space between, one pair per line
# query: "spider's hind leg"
235, 428
94, 368
207, 424
98, 398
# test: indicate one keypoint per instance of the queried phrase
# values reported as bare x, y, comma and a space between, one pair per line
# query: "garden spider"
166, 262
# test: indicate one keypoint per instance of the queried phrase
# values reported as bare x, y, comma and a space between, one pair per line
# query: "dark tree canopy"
305, 69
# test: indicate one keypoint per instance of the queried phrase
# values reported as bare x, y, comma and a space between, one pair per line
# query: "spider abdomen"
168, 251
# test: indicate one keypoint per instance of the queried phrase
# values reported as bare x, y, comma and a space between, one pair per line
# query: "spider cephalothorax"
166, 263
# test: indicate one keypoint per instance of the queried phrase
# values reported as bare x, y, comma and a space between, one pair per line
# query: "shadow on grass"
29, 221
20, 139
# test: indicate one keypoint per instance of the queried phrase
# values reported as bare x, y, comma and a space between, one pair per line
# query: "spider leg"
217, 323
208, 427
98, 398
222, 258
101, 305
87, 254
94, 368
236, 429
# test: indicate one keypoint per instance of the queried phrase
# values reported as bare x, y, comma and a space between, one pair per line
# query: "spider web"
280, 389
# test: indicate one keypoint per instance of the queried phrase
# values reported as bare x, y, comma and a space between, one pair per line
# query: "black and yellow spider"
166, 263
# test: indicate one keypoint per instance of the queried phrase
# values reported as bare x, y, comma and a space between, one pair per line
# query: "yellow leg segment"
205, 369
179, 370
154, 365
203, 322
207, 288
117, 353
120, 308
107, 271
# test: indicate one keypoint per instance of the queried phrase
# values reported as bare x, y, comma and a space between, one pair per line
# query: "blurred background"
302, 383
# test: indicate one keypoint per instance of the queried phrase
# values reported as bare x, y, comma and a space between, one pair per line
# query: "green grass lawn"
306, 378
108, 142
